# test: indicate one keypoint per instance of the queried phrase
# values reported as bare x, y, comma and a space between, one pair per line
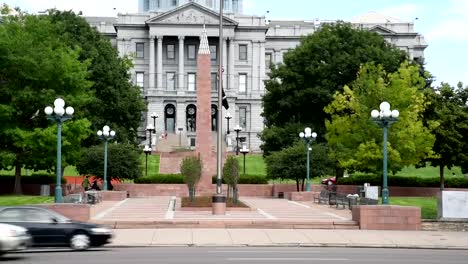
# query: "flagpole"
219, 185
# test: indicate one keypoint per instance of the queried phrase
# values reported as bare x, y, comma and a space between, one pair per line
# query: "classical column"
230, 69
277, 56
151, 63
225, 62
262, 76
159, 69
181, 64
255, 65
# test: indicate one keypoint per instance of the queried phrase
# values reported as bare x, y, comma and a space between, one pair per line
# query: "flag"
225, 101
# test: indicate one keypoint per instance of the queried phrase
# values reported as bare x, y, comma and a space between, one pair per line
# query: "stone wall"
78, 212
387, 217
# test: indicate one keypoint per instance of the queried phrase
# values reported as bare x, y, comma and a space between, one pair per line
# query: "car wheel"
79, 241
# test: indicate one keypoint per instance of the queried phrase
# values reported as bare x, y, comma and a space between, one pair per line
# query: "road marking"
286, 259
299, 204
102, 214
337, 216
267, 215
262, 251
170, 208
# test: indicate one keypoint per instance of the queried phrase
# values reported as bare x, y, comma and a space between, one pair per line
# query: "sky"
443, 23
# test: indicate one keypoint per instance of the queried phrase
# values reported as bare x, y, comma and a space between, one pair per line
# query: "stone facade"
164, 37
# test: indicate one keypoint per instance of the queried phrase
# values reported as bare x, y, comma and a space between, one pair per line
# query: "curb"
296, 245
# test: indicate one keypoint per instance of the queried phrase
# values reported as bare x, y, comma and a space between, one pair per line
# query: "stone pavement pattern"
289, 237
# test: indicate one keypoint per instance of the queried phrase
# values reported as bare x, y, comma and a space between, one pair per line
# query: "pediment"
381, 30
191, 13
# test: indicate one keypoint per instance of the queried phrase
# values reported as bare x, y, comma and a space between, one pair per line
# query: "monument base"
219, 204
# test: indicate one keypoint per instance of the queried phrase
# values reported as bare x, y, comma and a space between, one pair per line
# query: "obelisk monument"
203, 123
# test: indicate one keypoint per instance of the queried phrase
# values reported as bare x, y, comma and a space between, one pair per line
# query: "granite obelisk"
203, 123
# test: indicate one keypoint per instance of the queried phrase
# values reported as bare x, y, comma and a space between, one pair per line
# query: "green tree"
323, 63
35, 68
356, 141
231, 175
123, 161
290, 163
191, 169
448, 111
118, 103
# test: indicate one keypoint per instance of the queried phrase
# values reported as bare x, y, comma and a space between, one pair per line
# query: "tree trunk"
235, 194
442, 180
228, 192
297, 184
339, 172
17, 188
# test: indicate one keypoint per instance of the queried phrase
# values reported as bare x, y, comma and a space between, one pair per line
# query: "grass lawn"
205, 201
428, 205
23, 199
254, 164
153, 164
428, 172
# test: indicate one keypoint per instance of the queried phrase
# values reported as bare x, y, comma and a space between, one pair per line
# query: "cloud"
449, 30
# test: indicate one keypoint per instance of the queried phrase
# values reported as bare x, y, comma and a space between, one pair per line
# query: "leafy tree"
191, 169
323, 63
123, 162
35, 68
290, 163
119, 103
449, 112
231, 175
356, 141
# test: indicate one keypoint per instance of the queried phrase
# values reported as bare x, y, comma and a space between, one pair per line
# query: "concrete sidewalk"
289, 237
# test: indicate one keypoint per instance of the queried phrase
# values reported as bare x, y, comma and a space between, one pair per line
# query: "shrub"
247, 179
231, 175
33, 179
161, 179
191, 169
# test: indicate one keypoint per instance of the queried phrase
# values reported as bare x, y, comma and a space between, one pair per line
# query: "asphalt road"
233, 255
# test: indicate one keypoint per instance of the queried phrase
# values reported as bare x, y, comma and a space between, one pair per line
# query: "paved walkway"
289, 237
266, 212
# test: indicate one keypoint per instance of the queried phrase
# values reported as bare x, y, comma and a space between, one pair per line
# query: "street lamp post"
150, 128
384, 119
308, 136
154, 116
59, 115
105, 135
244, 150
237, 129
147, 151
228, 118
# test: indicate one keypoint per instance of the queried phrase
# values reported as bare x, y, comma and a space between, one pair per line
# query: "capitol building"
163, 39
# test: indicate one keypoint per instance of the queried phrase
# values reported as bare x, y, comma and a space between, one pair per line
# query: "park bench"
368, 201
341, 200
323, 196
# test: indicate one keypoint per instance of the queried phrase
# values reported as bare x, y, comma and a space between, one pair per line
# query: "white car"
13, 238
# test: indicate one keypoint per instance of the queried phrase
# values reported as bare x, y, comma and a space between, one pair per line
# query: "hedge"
247, 179
360, 179
33, 179
161, 179
178, 179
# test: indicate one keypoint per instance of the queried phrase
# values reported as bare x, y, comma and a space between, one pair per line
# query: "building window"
242, 83
214, 82
170, 81
243, 52
140, 50
191, 52
140, 80
268, 60
174, 2
170, 55
192, 82
213, 52
243, 117
235, 6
